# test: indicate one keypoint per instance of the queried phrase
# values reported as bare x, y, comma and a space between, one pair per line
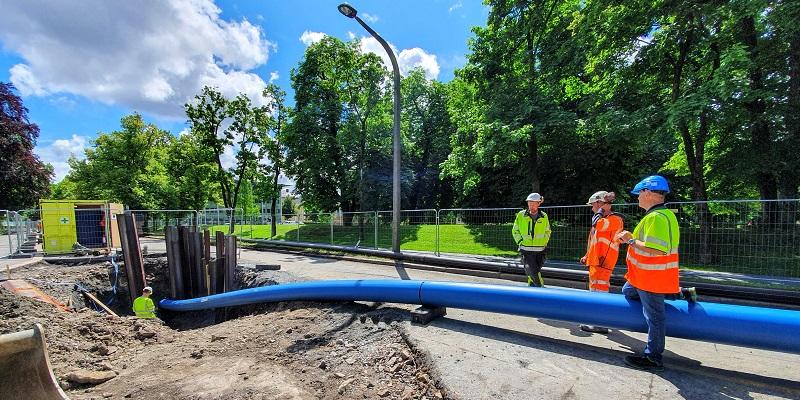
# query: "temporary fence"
219, 220
741, 236
153, 222
8, 239
737, 236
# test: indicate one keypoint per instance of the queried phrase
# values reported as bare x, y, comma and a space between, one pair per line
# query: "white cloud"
25, 81
152, 58
309, 37
59, 151
407, 59
418, 58
369, 17
228, 158
274, 76
455, 6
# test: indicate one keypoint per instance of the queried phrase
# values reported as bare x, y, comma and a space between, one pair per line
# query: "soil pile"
295, 350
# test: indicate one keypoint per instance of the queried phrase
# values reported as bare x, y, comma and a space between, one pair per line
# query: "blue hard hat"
653, 182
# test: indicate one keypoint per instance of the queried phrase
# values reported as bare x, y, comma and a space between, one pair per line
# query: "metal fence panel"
314, 228
8, 237
354, 229
219, 219
417, 230
153, 222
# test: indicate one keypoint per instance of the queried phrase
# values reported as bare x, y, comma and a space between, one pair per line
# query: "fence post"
332, 216
297, 221
376, 228
437, 234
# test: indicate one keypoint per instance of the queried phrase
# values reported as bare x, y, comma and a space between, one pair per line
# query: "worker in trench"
143, 306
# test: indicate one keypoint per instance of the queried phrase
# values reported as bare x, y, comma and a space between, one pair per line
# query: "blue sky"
81, 66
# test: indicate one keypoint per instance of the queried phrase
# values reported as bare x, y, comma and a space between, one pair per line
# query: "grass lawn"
459, 239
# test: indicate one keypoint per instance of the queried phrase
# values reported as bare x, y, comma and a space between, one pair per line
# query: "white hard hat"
148, 289
535, 197
598, 196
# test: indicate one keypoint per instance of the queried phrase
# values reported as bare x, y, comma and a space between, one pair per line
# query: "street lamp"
350, 12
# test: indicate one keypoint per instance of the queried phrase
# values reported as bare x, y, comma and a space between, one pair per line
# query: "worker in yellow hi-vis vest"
143, 306
531, 231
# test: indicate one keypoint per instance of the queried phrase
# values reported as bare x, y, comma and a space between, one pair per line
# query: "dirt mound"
284, 350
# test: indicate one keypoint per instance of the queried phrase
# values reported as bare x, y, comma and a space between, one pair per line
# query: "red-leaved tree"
24, 178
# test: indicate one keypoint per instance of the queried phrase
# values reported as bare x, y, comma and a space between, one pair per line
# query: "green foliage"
426, 129
338, 141
220, 124
288, 206
124, 166
192, 178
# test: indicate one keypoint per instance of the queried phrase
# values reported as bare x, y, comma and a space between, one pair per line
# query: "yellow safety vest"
530, 236
143, 307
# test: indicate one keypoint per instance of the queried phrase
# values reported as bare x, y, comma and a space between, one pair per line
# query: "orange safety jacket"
601, 249
655, 273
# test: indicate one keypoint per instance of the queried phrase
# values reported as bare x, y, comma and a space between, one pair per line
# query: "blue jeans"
654, 315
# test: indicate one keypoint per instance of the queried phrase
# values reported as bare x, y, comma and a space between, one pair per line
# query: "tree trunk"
532, 146
759, 127
274, 212
789, 179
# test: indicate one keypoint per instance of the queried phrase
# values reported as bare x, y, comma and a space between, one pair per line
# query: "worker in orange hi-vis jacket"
601, 249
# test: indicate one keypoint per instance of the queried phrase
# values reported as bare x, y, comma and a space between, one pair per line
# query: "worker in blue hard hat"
531, 232
652, 261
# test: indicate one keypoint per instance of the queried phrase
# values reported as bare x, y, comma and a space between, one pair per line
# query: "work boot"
689, 294
643, 363
594, 329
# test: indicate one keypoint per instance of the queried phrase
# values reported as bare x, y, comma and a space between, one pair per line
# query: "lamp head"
347, 10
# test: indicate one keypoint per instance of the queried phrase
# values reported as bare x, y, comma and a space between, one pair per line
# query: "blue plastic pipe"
765, 328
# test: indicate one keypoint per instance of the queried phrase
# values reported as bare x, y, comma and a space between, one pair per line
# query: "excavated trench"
277, 350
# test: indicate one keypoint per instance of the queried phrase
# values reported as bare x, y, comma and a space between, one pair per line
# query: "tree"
125, 166
246, 135
338, 141
278, 114
192, 178
426, 129
288, 206
515, 115
24, 179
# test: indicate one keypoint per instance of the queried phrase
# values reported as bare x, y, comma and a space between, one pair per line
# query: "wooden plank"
122, 223
219, 266
199, 265
170, 261
174, 261
192, 249
100, 303
185, 261
230, 263
136, 253
207, 259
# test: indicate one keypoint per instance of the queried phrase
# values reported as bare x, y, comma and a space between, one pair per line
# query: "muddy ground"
293, 350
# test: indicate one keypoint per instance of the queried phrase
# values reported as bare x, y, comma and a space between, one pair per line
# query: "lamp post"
350, 12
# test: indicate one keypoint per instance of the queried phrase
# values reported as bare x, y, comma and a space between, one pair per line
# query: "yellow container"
66, 222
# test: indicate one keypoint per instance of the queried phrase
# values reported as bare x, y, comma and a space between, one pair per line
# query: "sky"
81, 66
